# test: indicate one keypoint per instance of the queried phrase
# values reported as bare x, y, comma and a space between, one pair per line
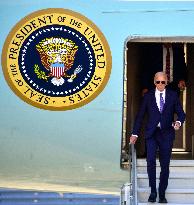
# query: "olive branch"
40, 74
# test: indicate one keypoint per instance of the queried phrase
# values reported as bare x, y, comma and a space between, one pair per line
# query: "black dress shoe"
163, 200
152, 197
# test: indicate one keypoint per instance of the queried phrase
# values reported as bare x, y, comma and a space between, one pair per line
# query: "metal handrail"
129, 189
192, 137
133, 174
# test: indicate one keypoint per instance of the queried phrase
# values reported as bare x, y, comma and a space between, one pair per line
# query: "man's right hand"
133, 139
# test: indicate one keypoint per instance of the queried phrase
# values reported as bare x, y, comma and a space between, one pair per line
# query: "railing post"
126, 196
130, 161
192, 136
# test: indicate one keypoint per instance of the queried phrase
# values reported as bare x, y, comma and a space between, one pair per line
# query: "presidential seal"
56, 59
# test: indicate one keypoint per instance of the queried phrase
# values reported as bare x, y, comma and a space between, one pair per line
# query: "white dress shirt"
157, 96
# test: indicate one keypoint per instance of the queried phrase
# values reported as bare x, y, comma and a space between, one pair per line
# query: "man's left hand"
177, 125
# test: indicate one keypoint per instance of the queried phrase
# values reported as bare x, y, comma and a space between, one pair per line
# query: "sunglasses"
158, 82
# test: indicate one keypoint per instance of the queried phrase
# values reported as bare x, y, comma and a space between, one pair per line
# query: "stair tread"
170, 190
173, 163
172, 175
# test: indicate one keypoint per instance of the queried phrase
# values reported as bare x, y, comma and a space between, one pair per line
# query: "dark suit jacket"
166, 118
152, 62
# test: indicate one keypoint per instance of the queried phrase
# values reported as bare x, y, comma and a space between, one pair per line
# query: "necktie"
168, 64
161, 102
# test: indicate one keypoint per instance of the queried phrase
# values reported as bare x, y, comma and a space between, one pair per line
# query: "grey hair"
160, 74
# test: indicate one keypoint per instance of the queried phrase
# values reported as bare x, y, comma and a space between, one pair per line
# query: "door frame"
146, 39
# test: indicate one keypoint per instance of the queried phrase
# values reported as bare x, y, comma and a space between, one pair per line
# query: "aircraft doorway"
134, 52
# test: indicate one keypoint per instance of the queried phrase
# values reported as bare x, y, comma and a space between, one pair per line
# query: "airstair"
180, 188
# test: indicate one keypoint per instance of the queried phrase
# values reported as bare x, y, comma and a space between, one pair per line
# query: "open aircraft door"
134, 49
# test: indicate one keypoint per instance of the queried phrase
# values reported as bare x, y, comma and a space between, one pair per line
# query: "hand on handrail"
133, 139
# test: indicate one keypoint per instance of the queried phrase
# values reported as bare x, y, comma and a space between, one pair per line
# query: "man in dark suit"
165, 57
160, 104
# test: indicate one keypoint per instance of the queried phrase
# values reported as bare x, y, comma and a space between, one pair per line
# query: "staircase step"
173, 163
176, 196
172, 183
172, 175
176, 166
175, 181
173, 169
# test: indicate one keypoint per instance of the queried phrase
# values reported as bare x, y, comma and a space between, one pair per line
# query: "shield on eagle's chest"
57, 69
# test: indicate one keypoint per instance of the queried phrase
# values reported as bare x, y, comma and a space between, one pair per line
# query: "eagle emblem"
57, 56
